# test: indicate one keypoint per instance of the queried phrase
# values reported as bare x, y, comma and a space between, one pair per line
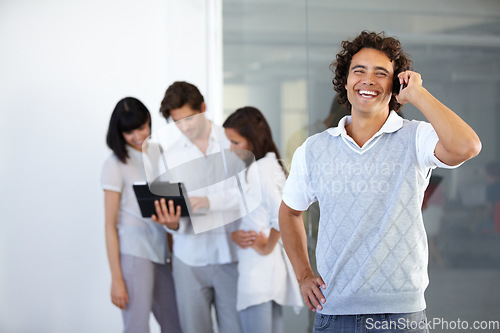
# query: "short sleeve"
272, 190
298, 193
111, 176
426, 142
274, 202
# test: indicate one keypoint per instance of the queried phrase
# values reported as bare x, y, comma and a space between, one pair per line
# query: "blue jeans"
415, 322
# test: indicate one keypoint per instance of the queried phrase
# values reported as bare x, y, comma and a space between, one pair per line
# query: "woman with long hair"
266, 280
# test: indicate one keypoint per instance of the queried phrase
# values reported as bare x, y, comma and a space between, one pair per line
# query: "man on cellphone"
369, 175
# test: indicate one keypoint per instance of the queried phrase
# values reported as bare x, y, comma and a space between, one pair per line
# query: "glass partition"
276, 57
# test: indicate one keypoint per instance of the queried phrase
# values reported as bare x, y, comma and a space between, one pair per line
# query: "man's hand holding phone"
410, 83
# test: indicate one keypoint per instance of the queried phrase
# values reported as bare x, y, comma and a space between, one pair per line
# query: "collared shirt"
370, 231
213, 245
426, 142
426, 138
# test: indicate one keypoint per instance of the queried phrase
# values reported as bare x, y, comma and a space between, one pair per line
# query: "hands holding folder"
166, 202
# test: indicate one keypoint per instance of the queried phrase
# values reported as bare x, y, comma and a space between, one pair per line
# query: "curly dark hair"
378, 41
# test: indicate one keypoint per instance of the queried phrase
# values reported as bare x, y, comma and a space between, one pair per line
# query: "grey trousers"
197, 288
150, 287
262, 318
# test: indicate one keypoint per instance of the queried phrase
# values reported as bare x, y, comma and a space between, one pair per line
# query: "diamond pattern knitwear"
372, 247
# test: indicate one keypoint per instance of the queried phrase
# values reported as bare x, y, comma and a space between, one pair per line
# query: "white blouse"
271, 277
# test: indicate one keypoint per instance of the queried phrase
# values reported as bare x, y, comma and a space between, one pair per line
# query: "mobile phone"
396, 86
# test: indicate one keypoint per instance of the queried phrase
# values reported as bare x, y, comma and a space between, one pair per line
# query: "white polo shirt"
371, 250
425, 145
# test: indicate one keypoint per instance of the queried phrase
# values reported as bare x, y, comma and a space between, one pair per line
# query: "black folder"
170, 191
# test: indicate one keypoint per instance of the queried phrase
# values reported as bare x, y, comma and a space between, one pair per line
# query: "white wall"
63, 67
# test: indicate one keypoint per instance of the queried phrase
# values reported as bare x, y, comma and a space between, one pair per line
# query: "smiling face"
369, 81
135, 138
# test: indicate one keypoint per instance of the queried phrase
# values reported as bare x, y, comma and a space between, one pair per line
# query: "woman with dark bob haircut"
266, 280
378, 41
141, 281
